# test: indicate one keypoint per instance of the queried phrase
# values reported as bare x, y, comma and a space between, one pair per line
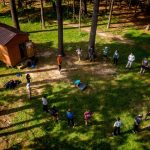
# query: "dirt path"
48, 73
107, 35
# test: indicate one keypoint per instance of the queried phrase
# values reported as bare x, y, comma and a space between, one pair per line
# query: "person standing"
28, 90
45, 103
87, 116
91, 53
137, 122
144, 65
54, 113
70, 117
79, 53
117, 126
105, 52
116, 57
28, 78
131, 59
59, 62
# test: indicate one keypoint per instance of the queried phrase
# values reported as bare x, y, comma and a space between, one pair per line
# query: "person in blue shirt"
70, 117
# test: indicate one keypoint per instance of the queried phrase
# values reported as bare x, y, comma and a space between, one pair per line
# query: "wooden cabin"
13, 47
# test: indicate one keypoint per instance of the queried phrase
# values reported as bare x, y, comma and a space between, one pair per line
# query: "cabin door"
23, 51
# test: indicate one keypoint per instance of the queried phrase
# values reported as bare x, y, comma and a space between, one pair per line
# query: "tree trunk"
110, 14
94, 24
14, 14
60, 27
80, 15
42, 15
54, 6
106, 6
73, 10
84, 8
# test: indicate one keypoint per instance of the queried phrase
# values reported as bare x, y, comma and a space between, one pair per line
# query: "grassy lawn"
123, 93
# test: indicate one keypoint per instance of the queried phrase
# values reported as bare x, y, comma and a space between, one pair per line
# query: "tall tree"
110, 14
14, 14
60, 26
94, 24
80, 15
42, 15
84, 7
54, 5
73, 10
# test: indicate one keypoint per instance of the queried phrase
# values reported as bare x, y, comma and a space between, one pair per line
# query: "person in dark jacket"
137, 122
28, 78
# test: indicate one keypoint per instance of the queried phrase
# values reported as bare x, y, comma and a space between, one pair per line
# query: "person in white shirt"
28, 90
79, 53
105, 52
117, 126
131, 59
45, 103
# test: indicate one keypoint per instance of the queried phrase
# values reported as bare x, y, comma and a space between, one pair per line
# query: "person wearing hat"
116, 57
137, 122
131, 59
59, 62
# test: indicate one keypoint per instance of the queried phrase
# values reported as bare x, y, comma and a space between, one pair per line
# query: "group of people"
136, 124
69, 113
91, 56
131, 59
87, 115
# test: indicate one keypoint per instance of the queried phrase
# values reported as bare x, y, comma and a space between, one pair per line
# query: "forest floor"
112, 91
102, 34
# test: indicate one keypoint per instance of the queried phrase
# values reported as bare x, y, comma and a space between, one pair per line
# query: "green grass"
125, 94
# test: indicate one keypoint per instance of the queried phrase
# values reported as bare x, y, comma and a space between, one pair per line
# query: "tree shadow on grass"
66, 144
139, 38
107, 98
31, 71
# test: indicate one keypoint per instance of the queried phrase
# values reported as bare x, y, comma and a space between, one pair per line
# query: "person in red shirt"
59, 62
87, 116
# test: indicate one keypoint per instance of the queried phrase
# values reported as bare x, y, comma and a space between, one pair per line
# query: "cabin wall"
13, 49
4, 55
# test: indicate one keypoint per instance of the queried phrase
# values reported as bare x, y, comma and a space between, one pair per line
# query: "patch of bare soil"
46, 71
